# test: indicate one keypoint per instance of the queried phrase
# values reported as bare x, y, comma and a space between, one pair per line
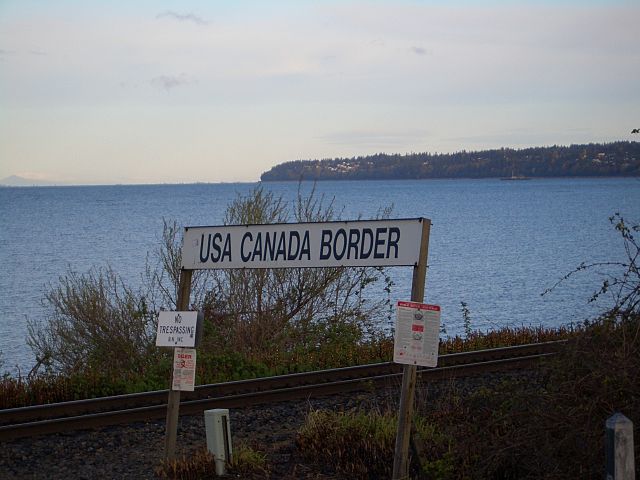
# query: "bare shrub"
95, 322
622, 285
265, 312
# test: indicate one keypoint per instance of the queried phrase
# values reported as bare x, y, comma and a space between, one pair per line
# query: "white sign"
176, 329
417, 334
331, 244
184, 369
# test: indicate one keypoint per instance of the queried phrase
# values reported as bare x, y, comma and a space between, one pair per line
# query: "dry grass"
246, 463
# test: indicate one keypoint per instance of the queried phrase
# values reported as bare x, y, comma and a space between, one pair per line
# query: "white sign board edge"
360, 243
417, 334
177, 329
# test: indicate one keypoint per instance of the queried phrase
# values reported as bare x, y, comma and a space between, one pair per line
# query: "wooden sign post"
409, 373
173, 403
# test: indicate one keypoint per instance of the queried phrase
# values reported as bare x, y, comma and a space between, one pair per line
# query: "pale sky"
206, 91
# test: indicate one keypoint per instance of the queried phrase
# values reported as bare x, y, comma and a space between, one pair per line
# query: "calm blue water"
494, 245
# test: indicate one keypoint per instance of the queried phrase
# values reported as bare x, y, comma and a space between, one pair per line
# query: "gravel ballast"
134, 451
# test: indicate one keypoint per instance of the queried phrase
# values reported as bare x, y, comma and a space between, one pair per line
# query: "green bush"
361, 445
96, 323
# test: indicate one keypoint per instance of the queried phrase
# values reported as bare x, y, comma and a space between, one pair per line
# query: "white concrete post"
218, 432
619, 445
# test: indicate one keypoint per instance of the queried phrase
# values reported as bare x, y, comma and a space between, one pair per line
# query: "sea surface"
495, 245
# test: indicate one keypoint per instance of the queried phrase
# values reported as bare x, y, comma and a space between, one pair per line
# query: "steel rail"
143, 399
44, 419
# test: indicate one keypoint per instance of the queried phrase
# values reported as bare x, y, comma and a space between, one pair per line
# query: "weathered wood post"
409, 372
173, 402
620, 462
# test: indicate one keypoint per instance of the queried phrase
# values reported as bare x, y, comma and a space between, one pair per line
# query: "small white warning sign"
417, 334
177, 329
184, 369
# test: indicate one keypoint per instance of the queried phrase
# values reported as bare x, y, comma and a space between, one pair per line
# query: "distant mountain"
16, 181
616, 159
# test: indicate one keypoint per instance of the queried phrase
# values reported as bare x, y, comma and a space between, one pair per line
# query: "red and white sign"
184, 369
417, 334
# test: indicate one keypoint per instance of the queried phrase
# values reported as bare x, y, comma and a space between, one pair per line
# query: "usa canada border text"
394, 242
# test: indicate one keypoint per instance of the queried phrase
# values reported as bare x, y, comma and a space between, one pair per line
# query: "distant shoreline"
586, 177
305, 180
83, 185
616, 159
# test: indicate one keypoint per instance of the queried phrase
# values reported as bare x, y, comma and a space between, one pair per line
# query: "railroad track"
146, 406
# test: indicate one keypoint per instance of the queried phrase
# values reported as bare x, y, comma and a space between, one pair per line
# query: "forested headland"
616, 159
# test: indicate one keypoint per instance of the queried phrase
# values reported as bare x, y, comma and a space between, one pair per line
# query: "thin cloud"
524, 138
419, 50
4, 55
183, 17
374, 139
169, 82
